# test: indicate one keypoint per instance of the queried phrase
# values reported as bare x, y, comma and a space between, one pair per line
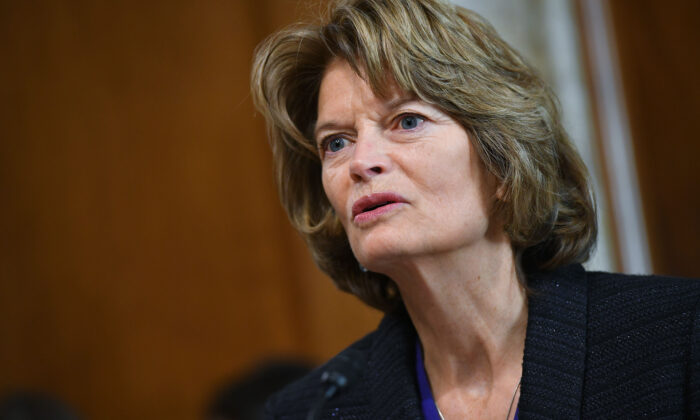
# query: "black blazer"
598, 346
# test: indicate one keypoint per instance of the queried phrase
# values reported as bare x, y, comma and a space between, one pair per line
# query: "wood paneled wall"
657, 44
144, 257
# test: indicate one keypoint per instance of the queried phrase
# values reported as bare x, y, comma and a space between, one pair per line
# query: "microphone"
341, 373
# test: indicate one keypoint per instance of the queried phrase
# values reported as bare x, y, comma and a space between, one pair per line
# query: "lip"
369, 207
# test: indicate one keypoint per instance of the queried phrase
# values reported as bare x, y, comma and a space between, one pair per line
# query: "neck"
470, 313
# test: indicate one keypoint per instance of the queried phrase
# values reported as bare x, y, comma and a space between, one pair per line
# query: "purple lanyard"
427, 402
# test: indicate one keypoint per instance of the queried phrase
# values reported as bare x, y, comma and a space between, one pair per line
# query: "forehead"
341, 84
343, 90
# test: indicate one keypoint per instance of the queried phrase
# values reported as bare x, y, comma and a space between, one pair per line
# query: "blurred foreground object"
34, 406
243, 398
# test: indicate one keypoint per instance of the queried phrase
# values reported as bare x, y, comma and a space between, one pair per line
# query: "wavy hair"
451, 58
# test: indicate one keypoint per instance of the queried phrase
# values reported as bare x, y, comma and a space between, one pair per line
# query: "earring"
363, 268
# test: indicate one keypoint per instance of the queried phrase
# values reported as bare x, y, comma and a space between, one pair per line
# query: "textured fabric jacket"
598, 346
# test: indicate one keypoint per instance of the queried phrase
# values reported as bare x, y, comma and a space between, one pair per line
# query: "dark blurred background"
144, 257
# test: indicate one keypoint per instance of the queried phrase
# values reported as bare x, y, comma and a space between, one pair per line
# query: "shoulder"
643, 335
628, 344
295, 400
655, 311
641, 297
632, 281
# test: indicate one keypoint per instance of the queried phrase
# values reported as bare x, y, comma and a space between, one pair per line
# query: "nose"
368, 159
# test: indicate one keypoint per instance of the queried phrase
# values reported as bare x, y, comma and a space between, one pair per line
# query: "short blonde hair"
449, 57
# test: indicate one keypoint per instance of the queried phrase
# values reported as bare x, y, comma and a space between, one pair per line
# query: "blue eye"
335, 144
410, 122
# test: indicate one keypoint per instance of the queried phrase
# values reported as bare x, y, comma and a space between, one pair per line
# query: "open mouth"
370, 208
375, 202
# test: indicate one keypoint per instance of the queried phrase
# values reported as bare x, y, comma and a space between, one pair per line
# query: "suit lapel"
391, 379
555, 345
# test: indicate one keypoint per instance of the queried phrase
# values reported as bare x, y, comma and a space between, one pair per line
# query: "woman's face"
402, 176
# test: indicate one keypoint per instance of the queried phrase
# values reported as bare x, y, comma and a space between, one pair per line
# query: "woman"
426, 165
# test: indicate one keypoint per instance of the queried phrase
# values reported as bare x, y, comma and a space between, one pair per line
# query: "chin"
377, 252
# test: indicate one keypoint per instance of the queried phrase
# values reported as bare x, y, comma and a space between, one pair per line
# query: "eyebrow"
390, 104
325, 126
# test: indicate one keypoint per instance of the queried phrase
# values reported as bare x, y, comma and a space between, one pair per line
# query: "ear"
500, 190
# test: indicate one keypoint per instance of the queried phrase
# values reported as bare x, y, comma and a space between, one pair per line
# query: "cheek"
444, 173
333, 189
455, 184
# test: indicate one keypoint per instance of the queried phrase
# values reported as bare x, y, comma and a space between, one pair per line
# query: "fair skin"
415, 202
